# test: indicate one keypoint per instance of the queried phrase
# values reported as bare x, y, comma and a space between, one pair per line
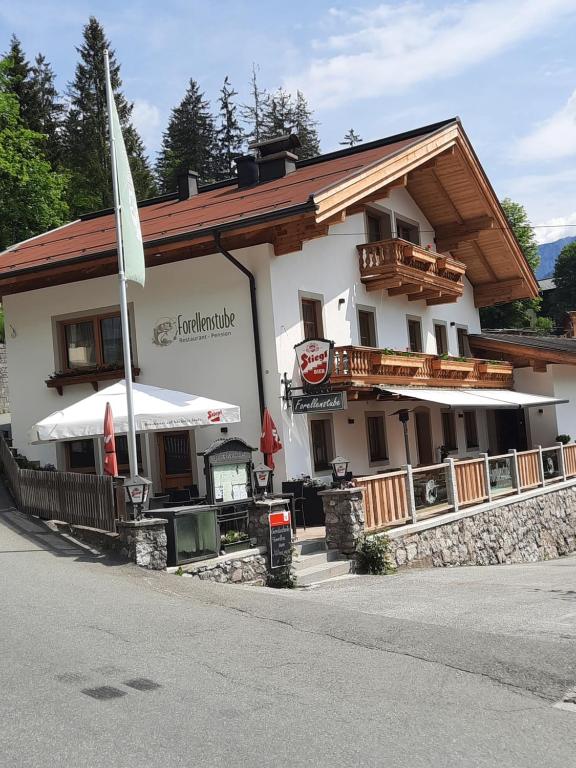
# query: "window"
376, 429
441, 339
122, 458
80, 456
463, 344
322, 450
312, 318
91, 342
415, 334
378, 226
367, 327
471, 429
449, 431
408, 231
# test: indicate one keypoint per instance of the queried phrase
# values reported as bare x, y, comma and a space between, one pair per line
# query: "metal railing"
414, 493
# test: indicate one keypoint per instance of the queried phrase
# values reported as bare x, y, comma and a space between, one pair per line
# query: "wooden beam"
405, 288
484, 259
428, 294
538, 366
488, 294
442, 300
521, 354
449, 236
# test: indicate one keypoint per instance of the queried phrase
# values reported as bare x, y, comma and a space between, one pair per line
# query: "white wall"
542, 423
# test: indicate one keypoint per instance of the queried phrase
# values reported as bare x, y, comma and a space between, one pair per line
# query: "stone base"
233, 569
145, 542
344, 513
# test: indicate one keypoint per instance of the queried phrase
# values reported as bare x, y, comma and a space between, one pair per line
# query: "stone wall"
144, 542
4, 399
541, 526
344, 513
236, 568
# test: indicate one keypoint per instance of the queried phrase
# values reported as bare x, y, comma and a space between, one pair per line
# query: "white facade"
223, 366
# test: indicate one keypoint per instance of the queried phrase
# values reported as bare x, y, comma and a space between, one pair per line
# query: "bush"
563, 439
373, 556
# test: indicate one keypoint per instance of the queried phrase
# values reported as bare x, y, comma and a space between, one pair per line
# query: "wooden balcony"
361, 368
403, 268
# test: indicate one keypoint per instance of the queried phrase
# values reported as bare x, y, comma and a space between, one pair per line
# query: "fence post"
486, 470
561, 465
514, 470
541, 465
451, 483
410, 493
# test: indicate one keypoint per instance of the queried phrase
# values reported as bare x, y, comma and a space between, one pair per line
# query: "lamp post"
262, 478
403, 416
339, 469
137, 490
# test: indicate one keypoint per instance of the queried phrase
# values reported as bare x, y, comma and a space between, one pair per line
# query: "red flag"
110, 461
269, 440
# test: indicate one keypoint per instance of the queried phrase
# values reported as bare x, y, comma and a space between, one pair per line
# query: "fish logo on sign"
315, 359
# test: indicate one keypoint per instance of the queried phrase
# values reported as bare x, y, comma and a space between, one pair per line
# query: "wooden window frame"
414, 319
378, 213
463, 353
475, 445
369, 311
326, 418
409, 223
441, 324
452, 416
319, 312
95, 319
372, 462
85, 470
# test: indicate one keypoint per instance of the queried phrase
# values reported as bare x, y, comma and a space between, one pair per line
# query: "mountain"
548, 255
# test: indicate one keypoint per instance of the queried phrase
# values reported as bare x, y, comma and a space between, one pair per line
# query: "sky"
505, 67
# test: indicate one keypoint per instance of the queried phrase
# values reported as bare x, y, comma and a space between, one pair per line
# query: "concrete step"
314, 558
322, 572
308, 546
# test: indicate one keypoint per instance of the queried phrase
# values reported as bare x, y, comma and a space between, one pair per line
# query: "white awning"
474, 398
154, 409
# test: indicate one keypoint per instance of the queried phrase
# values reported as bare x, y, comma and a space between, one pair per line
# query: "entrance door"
175, 460
510, 429
424, 436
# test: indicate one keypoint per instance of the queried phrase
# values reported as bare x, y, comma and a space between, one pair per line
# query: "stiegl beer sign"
315, 359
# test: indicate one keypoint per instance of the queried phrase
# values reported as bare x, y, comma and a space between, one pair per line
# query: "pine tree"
229, 135
86, 151
351, 139
278, 116
17, 73
305, 128
46, 111
253, 112
189, 141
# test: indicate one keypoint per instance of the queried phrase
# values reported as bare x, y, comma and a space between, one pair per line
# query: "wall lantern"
262, 477
137, 491
339, 469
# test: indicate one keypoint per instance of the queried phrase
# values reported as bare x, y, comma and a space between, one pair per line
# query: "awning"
473, 398
154, 409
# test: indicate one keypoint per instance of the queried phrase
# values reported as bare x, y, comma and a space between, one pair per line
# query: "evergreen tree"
17, 74
351, 139
189, 141
522, 313
229, 135
46, 111
85, 139
32, 195
278, 116
565, 282
305, 128
253, 112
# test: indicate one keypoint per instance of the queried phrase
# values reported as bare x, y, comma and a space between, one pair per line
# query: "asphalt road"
434, 668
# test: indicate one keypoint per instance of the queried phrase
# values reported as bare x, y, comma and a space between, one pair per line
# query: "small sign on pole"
280, 537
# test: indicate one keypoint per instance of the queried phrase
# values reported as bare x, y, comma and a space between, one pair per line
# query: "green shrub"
563, 439
373, 556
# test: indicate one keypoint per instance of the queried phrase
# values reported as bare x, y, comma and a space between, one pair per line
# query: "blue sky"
506, 67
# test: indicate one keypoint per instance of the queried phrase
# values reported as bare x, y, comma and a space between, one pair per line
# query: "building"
388, 249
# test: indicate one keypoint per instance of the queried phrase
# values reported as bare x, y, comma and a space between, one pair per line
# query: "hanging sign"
280, 538
315, 359
321, 403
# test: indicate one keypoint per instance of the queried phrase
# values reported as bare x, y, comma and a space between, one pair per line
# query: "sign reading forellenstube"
321, 403
315, 359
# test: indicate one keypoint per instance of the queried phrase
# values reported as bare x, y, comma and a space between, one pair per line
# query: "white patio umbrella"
154, 409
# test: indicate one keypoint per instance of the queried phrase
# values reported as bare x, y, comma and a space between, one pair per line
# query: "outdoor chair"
295, 488
180, 494
159, 502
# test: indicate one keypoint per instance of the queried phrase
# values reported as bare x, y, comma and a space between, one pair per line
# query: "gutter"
255, 324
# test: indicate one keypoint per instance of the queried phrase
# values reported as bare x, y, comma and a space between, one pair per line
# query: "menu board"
280, 539
230, 482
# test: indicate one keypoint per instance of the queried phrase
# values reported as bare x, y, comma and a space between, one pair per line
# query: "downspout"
255, 324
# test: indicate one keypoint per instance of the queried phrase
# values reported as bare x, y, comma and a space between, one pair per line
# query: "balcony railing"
402, 268
361, 367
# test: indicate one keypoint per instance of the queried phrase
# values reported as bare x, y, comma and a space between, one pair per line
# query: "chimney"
187, 182
247, 170
275, 159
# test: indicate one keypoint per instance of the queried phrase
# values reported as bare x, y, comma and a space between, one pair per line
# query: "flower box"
454, 366
498, 369
236, 546
65, 379
398, 361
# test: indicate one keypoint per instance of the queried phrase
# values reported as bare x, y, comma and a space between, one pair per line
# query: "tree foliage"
32, 195
565, 281
189, 141
252, 113
229, 134
86, 152
351, 139
522, 313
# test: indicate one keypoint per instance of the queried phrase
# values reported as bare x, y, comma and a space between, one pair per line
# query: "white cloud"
552, 139
392, 47
557, 228
147, 120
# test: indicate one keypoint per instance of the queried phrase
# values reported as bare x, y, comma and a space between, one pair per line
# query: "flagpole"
131, 435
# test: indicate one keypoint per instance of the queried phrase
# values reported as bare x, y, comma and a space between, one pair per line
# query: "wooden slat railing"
570, 459
471, 481
72, 497
385, 501
529, 469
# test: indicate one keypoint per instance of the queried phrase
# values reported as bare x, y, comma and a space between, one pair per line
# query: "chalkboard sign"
280, 538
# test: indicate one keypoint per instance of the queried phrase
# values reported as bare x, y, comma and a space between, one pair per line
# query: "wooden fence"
68, 496
401, 496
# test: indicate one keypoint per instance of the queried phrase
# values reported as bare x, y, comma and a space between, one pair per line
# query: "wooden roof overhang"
436, 165
521, 355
